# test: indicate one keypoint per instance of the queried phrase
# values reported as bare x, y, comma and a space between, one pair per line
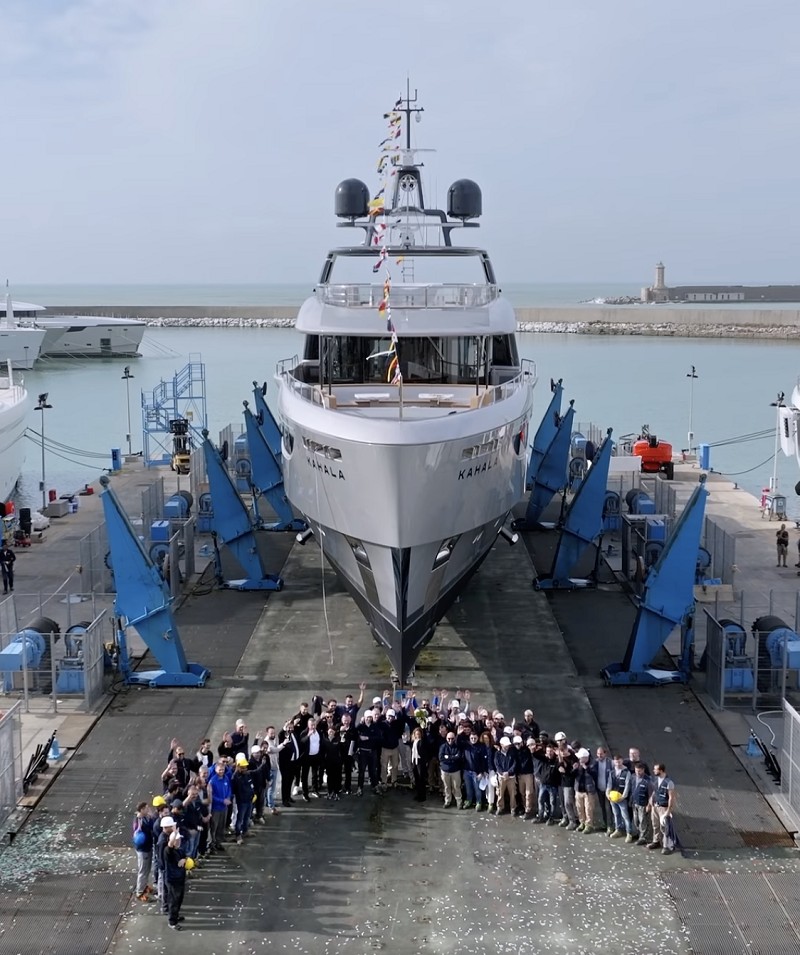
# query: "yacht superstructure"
405, 422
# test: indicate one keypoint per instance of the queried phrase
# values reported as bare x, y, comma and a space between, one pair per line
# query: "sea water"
618, 382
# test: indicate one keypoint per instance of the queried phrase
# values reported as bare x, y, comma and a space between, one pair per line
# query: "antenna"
408, 109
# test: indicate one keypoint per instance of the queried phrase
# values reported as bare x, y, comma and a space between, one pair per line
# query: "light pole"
777, 404
692, 375
127, 379
43, 406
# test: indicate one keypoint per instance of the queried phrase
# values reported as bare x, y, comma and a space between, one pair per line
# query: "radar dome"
464, 200
352, 199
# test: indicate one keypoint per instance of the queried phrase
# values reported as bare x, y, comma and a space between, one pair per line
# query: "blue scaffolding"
183, 396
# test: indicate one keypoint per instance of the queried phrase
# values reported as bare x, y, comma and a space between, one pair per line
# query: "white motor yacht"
20, 346
405, 422
79, 336
14, 406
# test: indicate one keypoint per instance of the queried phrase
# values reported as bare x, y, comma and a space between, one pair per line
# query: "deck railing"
314, 392
409, 296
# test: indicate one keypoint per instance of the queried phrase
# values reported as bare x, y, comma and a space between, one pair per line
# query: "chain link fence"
10, 760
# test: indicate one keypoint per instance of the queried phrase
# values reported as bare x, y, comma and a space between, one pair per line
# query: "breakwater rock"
658, 321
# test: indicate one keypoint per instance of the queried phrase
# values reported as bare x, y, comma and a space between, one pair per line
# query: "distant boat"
14, 407
19, 346
80, 336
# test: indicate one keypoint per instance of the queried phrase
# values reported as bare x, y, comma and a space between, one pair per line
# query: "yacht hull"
14, 407
81, 336
404, 600
20, 346
405, 511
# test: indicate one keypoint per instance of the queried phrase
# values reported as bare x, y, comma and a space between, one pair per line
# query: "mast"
408, 109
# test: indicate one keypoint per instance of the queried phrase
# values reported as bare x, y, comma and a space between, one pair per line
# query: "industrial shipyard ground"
380, 873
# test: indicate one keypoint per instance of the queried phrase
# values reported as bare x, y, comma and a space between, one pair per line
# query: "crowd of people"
472, 758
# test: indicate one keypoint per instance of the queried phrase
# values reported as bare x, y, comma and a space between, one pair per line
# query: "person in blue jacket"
476, 765
219, 788
505, 767
174, 865
143, 843
244, 792
451, 763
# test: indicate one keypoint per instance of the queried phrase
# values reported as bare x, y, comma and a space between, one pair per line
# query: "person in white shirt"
272, 747
310, 760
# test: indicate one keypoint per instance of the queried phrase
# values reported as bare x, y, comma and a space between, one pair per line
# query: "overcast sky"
201, 140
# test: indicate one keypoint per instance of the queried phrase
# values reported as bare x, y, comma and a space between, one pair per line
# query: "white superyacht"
405, 422
14, 408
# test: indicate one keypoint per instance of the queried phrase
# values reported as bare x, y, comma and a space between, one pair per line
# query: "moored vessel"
405, 421
14, 406
75, 336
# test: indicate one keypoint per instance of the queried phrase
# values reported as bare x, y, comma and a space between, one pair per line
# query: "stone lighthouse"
658, 292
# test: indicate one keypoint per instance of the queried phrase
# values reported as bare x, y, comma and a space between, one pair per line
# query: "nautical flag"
393, 371
382, 308
400, 259
376, 206
399, 103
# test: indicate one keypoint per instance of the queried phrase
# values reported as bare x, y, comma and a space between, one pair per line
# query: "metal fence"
746, 668
152, 507
10, 760
58, 665
790, 761
95, 562
722, 547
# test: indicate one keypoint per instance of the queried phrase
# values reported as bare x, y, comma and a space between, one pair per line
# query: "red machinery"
656, 455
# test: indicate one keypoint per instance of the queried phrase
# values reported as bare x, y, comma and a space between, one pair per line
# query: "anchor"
143, 601
233, 527
667, 601
583, 523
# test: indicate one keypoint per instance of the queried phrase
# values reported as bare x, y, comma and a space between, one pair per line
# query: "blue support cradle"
551, 475
667, 601
266, 421
583, 522
233, 527
266, 478
143, 601
544, 433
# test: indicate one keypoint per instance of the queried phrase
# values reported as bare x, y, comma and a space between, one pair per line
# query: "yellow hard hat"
189, 864
615, 796
159, 801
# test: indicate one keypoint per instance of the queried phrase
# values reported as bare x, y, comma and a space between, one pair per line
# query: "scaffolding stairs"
182, 396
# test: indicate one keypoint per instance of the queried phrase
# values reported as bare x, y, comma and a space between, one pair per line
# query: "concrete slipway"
377, 873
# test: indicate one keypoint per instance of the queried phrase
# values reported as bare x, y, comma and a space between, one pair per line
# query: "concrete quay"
373, 873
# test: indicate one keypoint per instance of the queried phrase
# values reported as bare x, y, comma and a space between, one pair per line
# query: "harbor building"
660, 292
